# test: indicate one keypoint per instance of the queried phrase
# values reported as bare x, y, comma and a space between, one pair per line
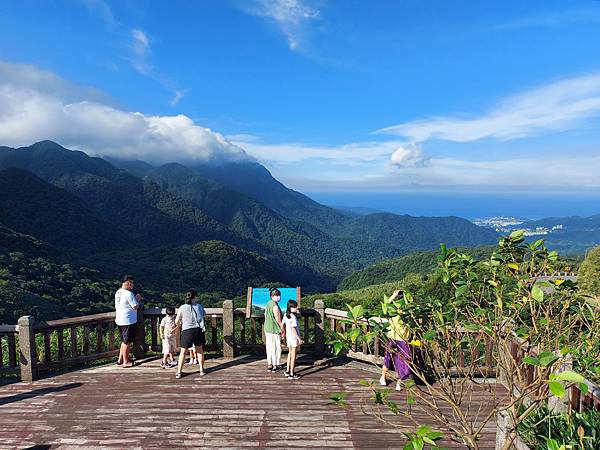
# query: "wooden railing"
31, 349
473, 355
477, 350
575, 399
70, 342
9, 357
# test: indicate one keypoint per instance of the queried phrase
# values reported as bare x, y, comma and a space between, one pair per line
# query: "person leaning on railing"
397, 351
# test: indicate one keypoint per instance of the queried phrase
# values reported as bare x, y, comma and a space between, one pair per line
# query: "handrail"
162, 311
519, 348
57, 344
74, 321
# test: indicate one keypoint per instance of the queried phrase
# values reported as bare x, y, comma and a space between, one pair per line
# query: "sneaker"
202, 373
178, 375
398, 387
293, 376
286, 373
382, 381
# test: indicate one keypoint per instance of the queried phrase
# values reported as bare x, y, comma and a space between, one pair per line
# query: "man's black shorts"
127, 333
192, 337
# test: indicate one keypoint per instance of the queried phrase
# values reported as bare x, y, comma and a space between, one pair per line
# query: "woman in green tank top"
273, 331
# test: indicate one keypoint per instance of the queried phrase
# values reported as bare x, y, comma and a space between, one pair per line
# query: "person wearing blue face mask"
273, 331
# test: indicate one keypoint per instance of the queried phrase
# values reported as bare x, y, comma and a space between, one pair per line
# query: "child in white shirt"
292, 337
167, 335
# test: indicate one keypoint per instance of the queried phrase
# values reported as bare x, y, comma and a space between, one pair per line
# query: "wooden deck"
237, 404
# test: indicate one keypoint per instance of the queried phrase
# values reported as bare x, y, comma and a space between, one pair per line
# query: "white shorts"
169, 345
291, 341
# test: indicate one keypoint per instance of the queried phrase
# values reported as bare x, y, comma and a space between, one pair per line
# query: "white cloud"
558, 106
101, 9
292, 153
291, 17
178, 95
444, 173
140, 47
36, 105
27, 77
409, 155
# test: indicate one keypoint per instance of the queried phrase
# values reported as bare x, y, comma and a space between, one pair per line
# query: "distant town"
507, 224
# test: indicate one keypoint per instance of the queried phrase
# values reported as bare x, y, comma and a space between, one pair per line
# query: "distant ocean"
468, 204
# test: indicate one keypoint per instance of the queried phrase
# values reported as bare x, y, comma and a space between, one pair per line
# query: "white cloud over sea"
37, 104
558, 106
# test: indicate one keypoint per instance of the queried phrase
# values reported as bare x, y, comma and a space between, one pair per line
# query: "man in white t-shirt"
126, 306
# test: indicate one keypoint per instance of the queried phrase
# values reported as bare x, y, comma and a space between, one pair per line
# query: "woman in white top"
190, 317
292, 337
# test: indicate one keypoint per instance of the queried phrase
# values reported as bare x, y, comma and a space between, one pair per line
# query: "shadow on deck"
237, 404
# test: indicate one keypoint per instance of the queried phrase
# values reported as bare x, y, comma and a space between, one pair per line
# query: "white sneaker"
382, 381
398, 387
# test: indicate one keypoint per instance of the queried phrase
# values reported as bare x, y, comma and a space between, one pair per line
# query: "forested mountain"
291, 240
219, 228
37, 208
396, 269
144, 215
415, 233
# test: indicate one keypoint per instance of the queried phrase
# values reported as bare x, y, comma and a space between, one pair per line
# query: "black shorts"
192, 337
127, 333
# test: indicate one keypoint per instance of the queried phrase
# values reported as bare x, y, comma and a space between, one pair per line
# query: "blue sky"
330, 95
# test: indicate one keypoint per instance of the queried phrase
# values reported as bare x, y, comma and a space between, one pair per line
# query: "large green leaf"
557, 389
570, 376
531, 361
537, 294
547, 359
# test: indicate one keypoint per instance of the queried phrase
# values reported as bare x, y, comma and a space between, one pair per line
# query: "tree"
588, 277
497, 305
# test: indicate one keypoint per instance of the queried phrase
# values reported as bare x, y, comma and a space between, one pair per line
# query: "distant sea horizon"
469, 205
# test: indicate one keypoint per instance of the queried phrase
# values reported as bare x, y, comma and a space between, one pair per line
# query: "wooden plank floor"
237, 404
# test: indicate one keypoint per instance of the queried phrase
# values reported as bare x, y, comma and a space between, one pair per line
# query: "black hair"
291, 304
190, 295
274, 292
170, 310
128, 278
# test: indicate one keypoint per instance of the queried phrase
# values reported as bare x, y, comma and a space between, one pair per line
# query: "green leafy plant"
422, 436
546, 430
492, 319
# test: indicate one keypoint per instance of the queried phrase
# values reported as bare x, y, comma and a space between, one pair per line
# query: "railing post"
561, 404
319, 328
139, 340
27, 351
228, 341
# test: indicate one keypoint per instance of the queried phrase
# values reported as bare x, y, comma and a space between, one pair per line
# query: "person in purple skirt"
397, 353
